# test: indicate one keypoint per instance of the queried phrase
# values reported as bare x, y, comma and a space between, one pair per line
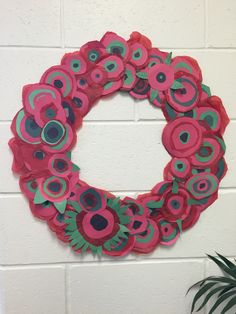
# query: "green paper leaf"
171, 113
184, 65
93, 249
75, 168
168, 58
179, 223
155, 204
61, 206
124, 220
222, 143
70, 213
68, 154
71, 227
206, 89
175, 187
154, 94
122, 235
192, 201
75, 205
38, 198
107, 245
79, 244
99, 251
142, 75
177, 85
84, 248
123, 228
123, 209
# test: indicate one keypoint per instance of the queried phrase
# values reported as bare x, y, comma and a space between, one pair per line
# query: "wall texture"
38, 275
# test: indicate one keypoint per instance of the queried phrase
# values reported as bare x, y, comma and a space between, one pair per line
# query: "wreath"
89, 218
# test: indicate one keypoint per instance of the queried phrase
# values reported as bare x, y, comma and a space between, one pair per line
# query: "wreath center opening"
125, 155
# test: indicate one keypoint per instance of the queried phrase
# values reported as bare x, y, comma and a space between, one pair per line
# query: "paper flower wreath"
91, 219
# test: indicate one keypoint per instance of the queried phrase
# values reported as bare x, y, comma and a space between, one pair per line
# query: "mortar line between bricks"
104, 262
113, 122
66, 291
221, 189
204, 276
223, 49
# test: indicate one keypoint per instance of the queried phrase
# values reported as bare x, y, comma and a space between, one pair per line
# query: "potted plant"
222, 287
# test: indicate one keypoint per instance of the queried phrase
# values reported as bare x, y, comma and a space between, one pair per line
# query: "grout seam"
207, 48
141, 121
221, 189
67, 290
103, 262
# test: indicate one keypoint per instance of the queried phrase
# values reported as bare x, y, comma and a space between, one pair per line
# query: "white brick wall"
117, 148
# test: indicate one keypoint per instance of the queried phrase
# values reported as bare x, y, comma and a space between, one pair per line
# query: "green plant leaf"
223, 280
226, 261
221, 299
142, 75
213, 279
209, 295
195, 285
222, 266
201, 292
227, 288
230, 304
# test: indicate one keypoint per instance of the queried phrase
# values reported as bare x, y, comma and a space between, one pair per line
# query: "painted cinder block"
166, 23
221, 30
155, 287
33, 290
30, 23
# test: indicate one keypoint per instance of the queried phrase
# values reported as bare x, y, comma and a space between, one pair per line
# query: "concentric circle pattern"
93, 220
